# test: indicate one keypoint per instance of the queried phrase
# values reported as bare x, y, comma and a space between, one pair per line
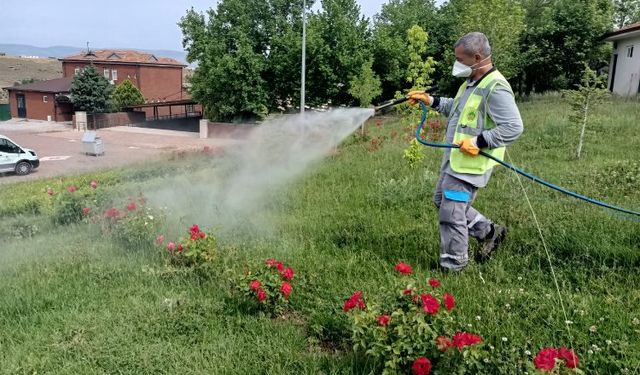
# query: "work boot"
490, 244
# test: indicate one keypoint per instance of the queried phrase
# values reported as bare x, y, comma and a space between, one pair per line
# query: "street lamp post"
304, 52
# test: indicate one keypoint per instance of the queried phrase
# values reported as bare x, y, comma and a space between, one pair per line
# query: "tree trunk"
584, 126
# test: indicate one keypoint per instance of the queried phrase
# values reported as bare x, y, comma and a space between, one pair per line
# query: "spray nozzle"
384, 107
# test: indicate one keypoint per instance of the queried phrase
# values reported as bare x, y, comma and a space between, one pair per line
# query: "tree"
502, 21
418, 76
230, 49
389, 43
625, 12
591, 91
90, 91
337, 48
366, 86
562, 36
420, 68
126, 94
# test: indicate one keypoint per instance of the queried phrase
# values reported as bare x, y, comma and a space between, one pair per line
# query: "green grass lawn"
74, 301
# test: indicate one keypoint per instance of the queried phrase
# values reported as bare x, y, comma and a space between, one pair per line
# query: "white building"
624, 68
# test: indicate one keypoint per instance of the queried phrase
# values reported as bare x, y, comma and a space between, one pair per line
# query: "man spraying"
483, 115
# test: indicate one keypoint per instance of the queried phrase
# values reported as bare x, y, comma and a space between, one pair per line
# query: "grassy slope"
72, 304
15, 69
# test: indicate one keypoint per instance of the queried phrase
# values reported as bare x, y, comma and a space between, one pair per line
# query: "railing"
175, 116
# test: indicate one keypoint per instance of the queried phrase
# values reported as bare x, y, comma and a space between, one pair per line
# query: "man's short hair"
473, 43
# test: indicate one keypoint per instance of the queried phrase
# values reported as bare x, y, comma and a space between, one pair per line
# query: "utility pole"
304, 53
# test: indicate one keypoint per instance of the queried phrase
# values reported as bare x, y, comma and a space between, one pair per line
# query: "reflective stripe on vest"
472, 121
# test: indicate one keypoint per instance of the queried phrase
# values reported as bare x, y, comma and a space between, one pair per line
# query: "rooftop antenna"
89, 51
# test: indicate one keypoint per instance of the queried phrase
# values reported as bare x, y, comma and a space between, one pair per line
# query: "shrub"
67, 206
134, 226
411, 327
195, 249
269, 287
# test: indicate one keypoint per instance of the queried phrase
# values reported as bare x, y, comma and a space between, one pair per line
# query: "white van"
14, 158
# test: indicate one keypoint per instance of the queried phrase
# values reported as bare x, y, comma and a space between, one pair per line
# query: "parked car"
14, 158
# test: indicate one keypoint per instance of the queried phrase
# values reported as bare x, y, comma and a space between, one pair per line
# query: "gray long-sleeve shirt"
502, 109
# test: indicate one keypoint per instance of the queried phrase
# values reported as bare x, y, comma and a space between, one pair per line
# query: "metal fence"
176, 116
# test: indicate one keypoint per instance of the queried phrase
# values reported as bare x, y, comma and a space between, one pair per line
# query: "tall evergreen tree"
90, 91
126, 94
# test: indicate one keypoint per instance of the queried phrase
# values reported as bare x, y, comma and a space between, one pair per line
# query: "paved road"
60, 148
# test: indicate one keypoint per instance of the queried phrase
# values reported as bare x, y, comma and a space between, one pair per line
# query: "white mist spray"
232, 193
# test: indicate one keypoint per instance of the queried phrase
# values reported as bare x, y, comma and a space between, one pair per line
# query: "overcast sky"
145, 24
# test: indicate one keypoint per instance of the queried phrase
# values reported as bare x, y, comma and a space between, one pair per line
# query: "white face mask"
461, 70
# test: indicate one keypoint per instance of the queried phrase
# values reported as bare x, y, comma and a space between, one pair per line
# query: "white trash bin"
92, 144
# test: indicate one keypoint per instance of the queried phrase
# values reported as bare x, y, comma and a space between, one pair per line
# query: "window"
114, 75
45, 99
106, 74
4, 147
630, 51
77, 70
8, 146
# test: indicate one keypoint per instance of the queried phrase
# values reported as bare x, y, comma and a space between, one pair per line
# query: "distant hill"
62, 51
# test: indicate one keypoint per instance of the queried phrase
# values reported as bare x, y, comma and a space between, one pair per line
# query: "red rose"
261, 295
443, 343
407, 291
171, 247
255, 284
463, 339
287, 274
194, 229
404, 268
271, 262
354, 301
430, 304
180, 248
546, 359
194, 236
86, 211
384, 320
112, 213
449, 302
160, 239
434, 283
132, 206
421, 366
286, 289
71, 188
93, 184
570, 358
280, 267
203, 235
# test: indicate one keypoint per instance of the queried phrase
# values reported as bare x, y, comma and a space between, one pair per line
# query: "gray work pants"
458, 220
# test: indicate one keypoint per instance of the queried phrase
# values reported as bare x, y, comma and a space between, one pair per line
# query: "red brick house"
39, 100
159, 79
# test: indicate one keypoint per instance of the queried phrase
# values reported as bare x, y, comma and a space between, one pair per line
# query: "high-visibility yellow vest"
472, 121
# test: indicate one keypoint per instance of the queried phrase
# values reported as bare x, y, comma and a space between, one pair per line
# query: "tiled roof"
53, 85
623, 30
123, 56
